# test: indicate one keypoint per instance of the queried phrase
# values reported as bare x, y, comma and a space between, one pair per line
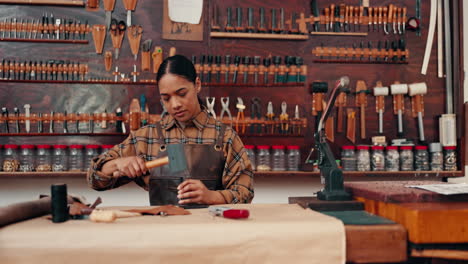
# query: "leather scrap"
161, 210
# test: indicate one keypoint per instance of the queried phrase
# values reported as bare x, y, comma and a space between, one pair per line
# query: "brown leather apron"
205, 162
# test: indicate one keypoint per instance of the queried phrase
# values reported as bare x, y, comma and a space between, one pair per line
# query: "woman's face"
180, 96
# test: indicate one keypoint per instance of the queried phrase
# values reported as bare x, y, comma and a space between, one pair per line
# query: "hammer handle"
157, 162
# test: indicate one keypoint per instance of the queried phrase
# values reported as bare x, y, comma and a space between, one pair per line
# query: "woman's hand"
194, 191
129, 166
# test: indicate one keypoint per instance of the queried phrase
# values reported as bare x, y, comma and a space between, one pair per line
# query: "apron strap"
160, 134
219, 140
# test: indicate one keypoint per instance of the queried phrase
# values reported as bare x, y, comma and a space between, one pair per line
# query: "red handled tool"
227, 212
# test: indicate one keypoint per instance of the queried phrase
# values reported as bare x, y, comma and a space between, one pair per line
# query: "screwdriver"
288, 60
227, 62
202, 64
237, 60
246, 65
266, 63
210, 62
276, 62
256, 62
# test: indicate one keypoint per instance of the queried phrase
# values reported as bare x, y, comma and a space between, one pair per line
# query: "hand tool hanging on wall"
296, 128
245, 66
157, 58
130, 6
416, 91
229, 27
108, 7
215, 19
17, 117
40, 123
380, 92
315, 11
51, 122
361, 102
226, 68
351, 125
398, 91
145, 55
225, 108
239, 27
270, 115
99, 36
430, 36
237, 60
134, 73
134, 33
207, 68
108, 60
216, 69
27, 115
340, 104
255, 116
250, 22
77, 122
119, 124
262, 26
210, 103
266, 64
65, 122
240, 116
5, 119
284, 119
117, 32
318, 90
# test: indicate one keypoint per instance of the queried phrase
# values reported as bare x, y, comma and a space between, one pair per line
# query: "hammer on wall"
416, 91
398, 91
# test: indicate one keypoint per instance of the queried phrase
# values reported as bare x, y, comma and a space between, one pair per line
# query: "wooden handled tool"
109, 216
361, 101
130, 6
398, 91
351, 125
416, 91
380, 93
340, 103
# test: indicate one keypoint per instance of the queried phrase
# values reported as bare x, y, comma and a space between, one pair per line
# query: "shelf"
365, 61
64, 41
61, 134
355, 34
258, 36
254, 85
77, 3
81, 82
403, 175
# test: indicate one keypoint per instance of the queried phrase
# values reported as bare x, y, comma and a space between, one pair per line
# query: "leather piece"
164, 210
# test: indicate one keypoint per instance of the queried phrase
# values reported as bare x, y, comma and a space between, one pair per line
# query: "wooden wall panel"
87, 98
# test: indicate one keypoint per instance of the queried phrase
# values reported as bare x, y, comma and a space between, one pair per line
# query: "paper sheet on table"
445, 189
185, 11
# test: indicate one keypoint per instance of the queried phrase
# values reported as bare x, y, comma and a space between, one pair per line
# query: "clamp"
240, 115
255, 115
270, 115
210, 102
225, 105
284, 117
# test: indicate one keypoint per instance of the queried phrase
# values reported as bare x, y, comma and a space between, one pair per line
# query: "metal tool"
108, 7
237, 60
229, 27
17, 116
416, 91
210, 102
296, 129
262, 27
316, 14
380, 92
239, 27
270, 116
77, 122
250, 25
65, 122
284, 119
246, 63
240, 116
130, 6
218, 68
91, 121
51, 123
256, 63
228, 212
227, 62
266, 63
5, 119
225, 108
398, 91
27, 115
256, 115
40, 123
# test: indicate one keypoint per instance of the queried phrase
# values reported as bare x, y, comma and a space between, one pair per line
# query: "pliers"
255, 115
284, 117
240, 115
225, 105
210, 102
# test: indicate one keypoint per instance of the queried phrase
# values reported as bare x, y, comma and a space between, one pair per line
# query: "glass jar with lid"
378, 158
60, 158
92, 151
421, 158
278, 158
250, 149
26, 158
406, 158
43, 158
348, 158
392, 159
450, 158
293, 158
437, 157
75, 158
10, 158
263, 158
363, 158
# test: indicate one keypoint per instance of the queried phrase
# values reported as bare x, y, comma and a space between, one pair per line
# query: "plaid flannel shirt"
237, 178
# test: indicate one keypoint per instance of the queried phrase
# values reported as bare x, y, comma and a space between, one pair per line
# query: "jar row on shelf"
274, 158
433, 157
45, 158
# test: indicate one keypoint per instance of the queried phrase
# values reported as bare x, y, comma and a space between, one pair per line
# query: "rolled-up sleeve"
238, 174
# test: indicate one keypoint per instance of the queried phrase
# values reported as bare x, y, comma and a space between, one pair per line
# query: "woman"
220, 171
